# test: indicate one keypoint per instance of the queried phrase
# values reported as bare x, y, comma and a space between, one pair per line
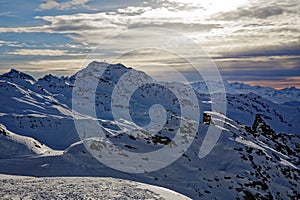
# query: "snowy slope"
30, 110
13, 145
245, 163
282, 118
244, 107
81, 188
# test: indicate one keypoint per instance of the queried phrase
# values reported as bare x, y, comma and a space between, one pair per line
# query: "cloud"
270, 65
96, 26
10, 44
253, 69
266, 51
252, 12
259, 10
8, 14
277, 83
66, 5
39, 68
37, 52
267, 24
243, 36
48, 4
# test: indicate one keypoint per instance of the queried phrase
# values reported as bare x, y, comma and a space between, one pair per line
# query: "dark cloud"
260, 72
264, 65
287, 50
259, 68
252, 12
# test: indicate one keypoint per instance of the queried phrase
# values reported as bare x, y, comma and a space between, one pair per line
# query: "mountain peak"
13, 71
15, 74
293, 88
48, 78
107, 65
98, 63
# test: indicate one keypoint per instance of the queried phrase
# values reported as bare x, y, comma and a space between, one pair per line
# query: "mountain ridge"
281, 96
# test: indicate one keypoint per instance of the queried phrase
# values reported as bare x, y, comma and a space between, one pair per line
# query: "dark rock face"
207, 119
2, 130
283, 143
261, 127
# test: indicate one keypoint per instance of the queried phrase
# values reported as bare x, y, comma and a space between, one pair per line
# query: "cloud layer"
66, 5
243, 36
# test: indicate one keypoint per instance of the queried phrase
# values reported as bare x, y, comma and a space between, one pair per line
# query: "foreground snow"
22, 187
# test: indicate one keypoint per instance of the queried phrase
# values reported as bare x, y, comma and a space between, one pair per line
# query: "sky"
251, 41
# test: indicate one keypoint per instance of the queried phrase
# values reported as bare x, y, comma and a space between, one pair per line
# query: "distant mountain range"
287, 96
256, 157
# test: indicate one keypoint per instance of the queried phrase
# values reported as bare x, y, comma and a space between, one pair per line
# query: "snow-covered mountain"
27, 108
256, 156
288, 96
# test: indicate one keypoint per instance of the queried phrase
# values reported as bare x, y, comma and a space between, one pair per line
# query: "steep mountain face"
286, 144
282, 118
250, 160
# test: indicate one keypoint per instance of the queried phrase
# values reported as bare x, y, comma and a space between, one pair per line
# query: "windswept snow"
14, 187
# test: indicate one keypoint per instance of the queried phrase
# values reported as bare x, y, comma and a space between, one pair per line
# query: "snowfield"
21, 187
